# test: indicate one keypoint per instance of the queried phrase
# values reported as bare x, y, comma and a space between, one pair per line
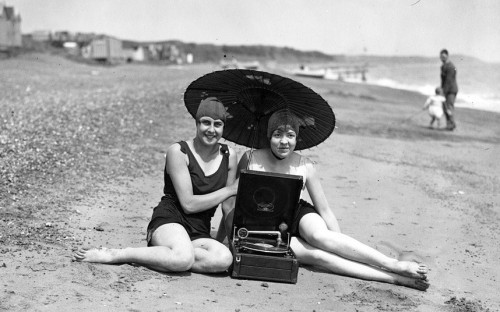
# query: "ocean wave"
385, 82
489, 103
486, 102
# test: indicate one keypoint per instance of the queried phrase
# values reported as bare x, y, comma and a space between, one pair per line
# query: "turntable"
263, 214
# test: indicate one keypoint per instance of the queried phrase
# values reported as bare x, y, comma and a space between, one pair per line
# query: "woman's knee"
178, 253
176, 260
313, 229
182, 260
226, 259
221, 260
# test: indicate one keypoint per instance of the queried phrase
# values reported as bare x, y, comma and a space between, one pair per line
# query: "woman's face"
283, 141
209, 131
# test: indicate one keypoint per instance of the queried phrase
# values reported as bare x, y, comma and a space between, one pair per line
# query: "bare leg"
172, 250
314, 231
210, 256
307, 254
221, 233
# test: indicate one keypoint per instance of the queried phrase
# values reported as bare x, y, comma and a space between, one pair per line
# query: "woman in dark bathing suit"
199, 174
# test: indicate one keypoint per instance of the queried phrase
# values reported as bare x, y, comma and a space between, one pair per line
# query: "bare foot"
410, 269
99, 255
415, 283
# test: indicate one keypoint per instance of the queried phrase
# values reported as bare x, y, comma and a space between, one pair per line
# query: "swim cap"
282, 118
211, 107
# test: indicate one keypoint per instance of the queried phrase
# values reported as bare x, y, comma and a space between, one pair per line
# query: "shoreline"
473, 95
462, 101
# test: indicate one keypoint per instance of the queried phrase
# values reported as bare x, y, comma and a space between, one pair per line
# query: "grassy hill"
206, 52
214, 53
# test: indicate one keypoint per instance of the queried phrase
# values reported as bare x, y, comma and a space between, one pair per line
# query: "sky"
351, 27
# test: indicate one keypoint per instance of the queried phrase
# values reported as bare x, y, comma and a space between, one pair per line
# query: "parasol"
251, 97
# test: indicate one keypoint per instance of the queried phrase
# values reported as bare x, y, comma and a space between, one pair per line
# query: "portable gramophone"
263, 216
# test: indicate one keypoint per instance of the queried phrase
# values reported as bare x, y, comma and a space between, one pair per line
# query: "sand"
428, 195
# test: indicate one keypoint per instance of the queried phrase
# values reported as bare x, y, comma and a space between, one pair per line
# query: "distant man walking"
450, 88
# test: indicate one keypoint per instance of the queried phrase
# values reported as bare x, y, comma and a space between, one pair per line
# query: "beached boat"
312, 73
254, 65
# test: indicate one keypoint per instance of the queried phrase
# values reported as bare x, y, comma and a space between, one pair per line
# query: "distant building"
84, 38
62, 36
10, 28
172, 53
104, 49
154, 51
41, 35
134, 54
139, 54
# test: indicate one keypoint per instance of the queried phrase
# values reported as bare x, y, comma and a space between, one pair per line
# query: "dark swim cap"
211, 107
282, 118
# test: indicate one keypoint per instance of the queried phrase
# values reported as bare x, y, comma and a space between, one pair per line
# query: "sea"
478, 82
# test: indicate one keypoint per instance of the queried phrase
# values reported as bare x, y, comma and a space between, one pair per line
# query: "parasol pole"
253, 143
255, 132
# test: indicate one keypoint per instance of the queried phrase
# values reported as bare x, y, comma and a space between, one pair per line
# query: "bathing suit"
169, 209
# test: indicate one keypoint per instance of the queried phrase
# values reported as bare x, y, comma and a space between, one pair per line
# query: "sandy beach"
409, 191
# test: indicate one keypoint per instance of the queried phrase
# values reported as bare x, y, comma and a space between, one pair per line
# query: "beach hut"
10, 28
104, 49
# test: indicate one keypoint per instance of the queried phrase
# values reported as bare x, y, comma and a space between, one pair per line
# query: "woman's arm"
179, 173
318, 198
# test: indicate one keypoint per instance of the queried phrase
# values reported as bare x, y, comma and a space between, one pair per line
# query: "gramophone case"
267, 268
265, 207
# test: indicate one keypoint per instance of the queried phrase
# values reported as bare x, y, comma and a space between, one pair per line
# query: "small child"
435, 104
